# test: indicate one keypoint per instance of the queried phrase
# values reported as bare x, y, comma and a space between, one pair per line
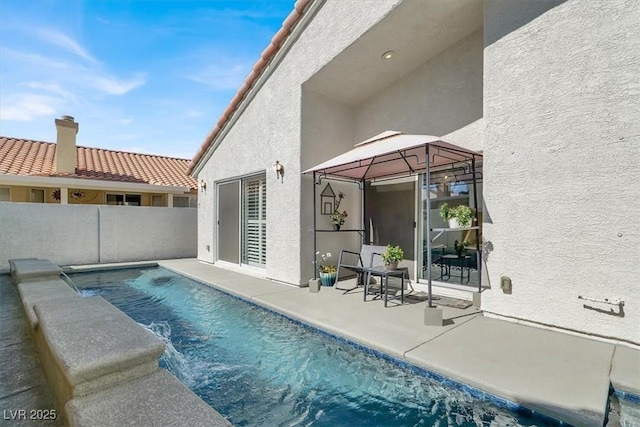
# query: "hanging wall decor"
327, 200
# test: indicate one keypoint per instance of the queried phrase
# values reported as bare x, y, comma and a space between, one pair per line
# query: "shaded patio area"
430, 164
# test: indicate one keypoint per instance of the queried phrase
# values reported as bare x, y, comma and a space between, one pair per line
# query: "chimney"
66, 145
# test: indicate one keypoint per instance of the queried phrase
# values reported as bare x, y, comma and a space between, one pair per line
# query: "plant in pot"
460, 248
458, 216
392, 256
328, 272
337, 219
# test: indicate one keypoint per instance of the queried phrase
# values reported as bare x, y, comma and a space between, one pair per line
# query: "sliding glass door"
453, 187
229, 222
242, 221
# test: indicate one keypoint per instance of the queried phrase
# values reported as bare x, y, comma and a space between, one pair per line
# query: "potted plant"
327, 271
392, 256
460, 248
337, 219
458, 216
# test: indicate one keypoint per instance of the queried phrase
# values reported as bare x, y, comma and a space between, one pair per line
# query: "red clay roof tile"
37, 158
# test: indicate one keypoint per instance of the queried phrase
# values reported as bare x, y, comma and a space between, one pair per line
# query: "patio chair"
368, 257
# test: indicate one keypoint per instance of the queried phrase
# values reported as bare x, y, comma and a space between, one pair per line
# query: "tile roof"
37, 158
265, 58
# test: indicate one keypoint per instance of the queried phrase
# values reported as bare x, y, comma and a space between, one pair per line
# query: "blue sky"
143, 76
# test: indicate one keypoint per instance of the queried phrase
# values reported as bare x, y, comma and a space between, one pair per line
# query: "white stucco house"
548, 92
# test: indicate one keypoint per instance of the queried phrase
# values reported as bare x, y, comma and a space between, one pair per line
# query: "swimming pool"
257, 368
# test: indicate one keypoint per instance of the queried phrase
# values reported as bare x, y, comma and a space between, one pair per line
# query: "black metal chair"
358, 262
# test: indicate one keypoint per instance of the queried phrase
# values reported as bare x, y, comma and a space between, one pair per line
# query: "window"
37, 195
124, 199
185, 202
5, 194
157, 200
254, 221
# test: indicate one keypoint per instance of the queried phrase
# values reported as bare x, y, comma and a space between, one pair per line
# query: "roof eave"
90, 184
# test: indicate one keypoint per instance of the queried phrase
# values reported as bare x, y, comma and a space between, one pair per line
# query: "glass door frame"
422, 265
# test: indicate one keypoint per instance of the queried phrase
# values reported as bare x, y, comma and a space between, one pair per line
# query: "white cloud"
113, 86
31, 58
53, 88
26, 107
221, 77
60, 39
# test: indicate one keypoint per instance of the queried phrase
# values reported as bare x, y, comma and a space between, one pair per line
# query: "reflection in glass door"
453, 187
229, 222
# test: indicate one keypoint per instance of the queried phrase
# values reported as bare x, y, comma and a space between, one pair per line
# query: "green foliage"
393, 254
462, 213
461, 248
338, 217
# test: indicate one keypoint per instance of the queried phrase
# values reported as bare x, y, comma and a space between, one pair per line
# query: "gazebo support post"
432, 315
314, 284
475, 204
362, 185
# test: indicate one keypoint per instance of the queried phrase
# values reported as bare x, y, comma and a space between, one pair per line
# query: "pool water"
260, 369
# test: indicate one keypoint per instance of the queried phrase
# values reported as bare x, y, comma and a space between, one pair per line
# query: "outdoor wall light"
203, 185
388, 55
279, 170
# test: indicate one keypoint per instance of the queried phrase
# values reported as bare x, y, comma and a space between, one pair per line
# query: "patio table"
463, 262
384, 278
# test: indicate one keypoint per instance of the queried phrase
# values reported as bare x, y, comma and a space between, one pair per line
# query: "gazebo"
394, 154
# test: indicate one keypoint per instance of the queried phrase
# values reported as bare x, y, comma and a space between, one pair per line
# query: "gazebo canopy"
391, 154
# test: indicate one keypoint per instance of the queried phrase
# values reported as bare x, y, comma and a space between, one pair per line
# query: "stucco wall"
562, 149
22, 194
90, 197
442, 97
270, 129
86, 234
327, 131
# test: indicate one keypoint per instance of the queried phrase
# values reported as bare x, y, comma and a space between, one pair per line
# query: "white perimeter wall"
89, 234
562, 162
270, 129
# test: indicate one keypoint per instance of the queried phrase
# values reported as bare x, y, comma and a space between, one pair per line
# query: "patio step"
88, 344
33, 270
47, 290
98, 360
449, 290
159, 399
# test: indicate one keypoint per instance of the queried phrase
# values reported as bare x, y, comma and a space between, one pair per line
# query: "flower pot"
453, 223
393, 265
336, 227
328, 279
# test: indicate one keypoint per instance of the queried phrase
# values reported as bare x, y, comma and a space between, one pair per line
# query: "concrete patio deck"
23, 388
560, 375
